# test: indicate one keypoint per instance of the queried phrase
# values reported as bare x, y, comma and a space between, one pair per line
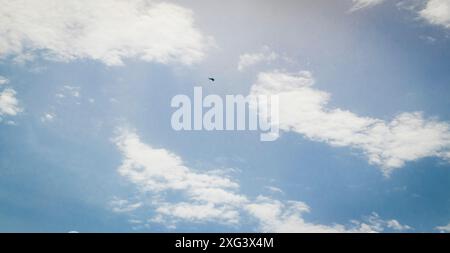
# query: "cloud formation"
3, 80
286, 217
207, 196
437, 12
363, 4
123, 205
266, 55
48, 117
106, 30
303, 109
156, 171
9, 105
444, 229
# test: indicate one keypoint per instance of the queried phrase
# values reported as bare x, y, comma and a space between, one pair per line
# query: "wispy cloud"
266, 55
108, 31
303, 109
48, 117
274, 189
176, 193
286, 217
158, 171
73, 91
364, 4
123, 205
395, 225
3, 80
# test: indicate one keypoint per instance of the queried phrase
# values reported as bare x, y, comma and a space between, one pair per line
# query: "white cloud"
274, 189
376, 224
200, 212
303, 109
395, 225
363, 4
157, 171
3, 80
106, 30
266, 55
275, 216
444, 229
48, 117
286, 217
73, 91
123, 205
9, 105
437, 12
206, 196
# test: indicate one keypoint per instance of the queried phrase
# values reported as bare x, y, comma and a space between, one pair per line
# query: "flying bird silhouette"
211, 79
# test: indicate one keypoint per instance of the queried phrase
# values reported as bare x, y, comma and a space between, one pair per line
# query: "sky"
87, 145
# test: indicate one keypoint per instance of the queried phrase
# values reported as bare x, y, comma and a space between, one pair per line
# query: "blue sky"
86, 142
